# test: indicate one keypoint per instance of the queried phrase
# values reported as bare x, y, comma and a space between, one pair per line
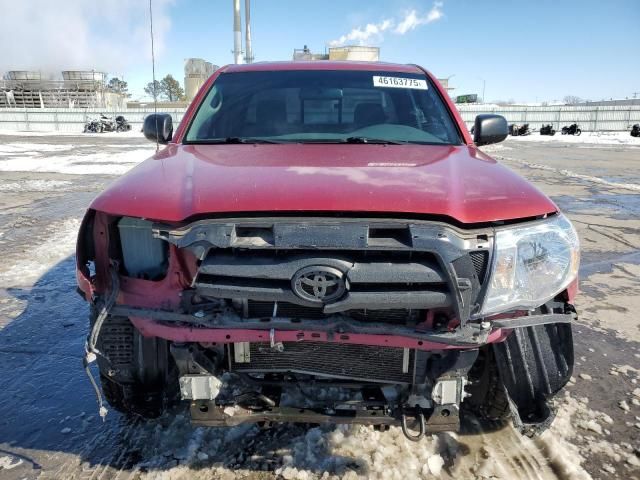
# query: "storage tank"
196, 72
85, 79
22, 75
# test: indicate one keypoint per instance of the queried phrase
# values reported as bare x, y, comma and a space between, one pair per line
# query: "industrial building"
196, 72
76, 89
350, 52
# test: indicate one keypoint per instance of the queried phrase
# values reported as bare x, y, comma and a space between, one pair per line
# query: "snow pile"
9, 463
362, 452
174, 450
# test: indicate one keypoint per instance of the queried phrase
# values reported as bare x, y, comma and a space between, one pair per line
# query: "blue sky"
524, 50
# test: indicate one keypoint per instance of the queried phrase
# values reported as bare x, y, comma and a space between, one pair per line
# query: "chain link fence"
589, 118
73, 120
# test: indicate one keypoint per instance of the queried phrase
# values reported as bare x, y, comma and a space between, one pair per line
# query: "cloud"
412, 20
373, 32
362, 35
51, 36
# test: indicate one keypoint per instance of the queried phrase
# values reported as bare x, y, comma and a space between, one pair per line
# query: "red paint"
164, 293
458, 182
151, 328
572, 290
181, 181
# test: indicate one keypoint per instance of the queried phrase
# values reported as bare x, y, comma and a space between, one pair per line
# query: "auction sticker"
399, 82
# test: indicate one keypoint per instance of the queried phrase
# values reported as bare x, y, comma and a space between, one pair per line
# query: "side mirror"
489, 128
158, 127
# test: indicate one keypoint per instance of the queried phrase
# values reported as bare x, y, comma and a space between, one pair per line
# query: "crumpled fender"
535, 363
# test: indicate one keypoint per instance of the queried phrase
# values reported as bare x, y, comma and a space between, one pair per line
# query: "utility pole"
484, 83
237, 33
248, 58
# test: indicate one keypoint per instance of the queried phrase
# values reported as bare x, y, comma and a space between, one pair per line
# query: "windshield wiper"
373, 140
236, 140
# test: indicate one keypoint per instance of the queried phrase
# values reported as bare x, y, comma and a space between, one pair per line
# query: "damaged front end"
398, 313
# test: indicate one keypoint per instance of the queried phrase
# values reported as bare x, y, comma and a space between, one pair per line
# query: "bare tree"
572, 99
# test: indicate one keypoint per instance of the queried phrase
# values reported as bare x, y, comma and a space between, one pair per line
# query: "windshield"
339, 106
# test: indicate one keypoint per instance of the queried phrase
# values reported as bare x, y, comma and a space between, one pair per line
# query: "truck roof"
323, 65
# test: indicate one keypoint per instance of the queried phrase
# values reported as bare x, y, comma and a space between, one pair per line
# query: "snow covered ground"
133, 133
587, 138
49, 428
111, 159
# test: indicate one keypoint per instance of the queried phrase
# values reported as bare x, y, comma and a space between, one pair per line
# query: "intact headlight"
531, 265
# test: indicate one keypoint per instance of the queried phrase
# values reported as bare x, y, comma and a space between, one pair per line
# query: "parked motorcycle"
519, 130
107, 124
635, 130
547, 130
571, 130
122, 125
93, 126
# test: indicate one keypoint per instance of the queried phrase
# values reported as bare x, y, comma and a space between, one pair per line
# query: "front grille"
391, 265
382, 281
358, 362
480, 263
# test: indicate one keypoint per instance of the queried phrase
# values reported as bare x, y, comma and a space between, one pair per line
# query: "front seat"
367, 114
271, 117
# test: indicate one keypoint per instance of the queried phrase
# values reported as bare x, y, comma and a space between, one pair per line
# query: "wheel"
578, 132
488, 399
138, 377
553, 132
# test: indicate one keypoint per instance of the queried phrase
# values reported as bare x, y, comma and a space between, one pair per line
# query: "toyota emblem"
318, 284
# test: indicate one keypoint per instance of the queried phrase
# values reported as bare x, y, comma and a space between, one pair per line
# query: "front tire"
578, 132
488, 399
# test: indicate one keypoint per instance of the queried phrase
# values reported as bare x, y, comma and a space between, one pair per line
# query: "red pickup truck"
323, 242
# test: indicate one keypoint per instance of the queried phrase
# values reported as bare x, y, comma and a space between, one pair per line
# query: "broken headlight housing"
531, 265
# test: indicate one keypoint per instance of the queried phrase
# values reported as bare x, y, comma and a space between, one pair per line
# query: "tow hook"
422, 427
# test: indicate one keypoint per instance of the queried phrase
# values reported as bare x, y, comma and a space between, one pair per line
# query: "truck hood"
458, 182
